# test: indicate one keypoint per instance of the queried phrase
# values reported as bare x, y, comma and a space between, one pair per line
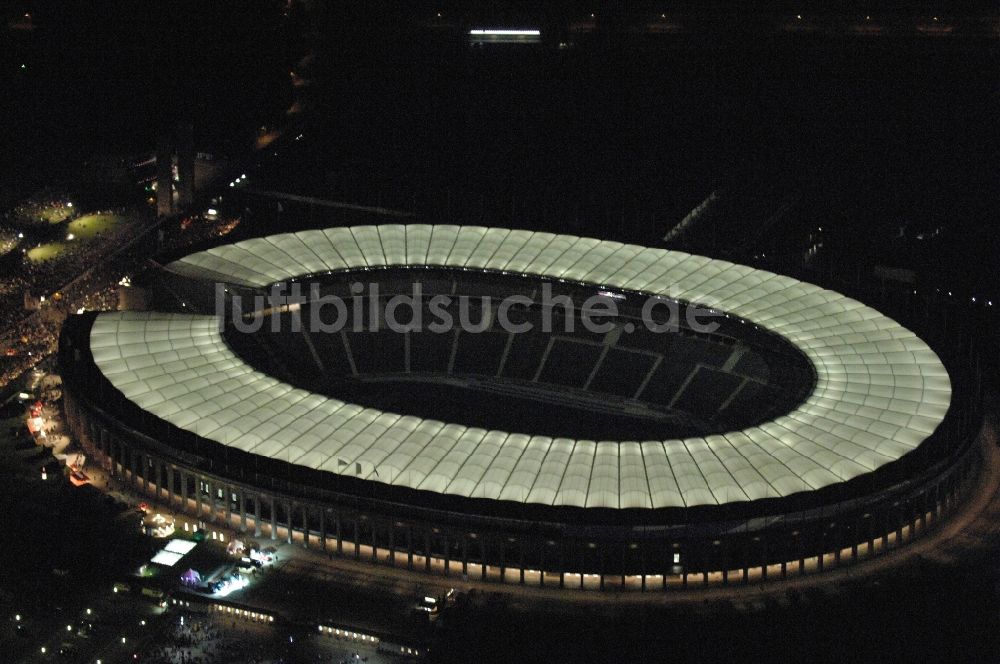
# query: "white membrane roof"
880, 390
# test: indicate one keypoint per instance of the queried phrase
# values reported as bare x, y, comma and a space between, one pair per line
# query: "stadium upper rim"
879, 393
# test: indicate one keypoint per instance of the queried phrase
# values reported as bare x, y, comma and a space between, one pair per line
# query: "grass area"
55, 214
46, 252
87, 227
91, 226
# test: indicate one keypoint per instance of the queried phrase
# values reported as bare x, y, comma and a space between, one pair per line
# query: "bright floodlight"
504, 35
505, 32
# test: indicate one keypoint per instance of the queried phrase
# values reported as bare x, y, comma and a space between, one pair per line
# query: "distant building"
185, 166
164, 177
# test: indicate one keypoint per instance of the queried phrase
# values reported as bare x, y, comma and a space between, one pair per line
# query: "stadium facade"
808, 430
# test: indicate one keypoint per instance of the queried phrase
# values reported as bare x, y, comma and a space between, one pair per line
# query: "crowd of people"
201, 640
197, 640
84, 276
214, 639
28, 337
46, 277
37, 339
45, 207
75, 255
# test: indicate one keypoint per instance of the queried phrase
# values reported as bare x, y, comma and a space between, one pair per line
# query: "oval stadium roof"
880, 390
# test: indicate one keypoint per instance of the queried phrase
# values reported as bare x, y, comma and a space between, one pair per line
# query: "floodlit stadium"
804, 430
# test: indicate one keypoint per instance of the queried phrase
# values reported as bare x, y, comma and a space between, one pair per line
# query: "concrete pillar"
289, 516
256, 516
150, 484
108, 462
322, 529
229, 506
409, 548
164, 176
184, 493
305, 526
197, 496
185, 166
274, 518
340, 537
243, 510
211, 489
158, 477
